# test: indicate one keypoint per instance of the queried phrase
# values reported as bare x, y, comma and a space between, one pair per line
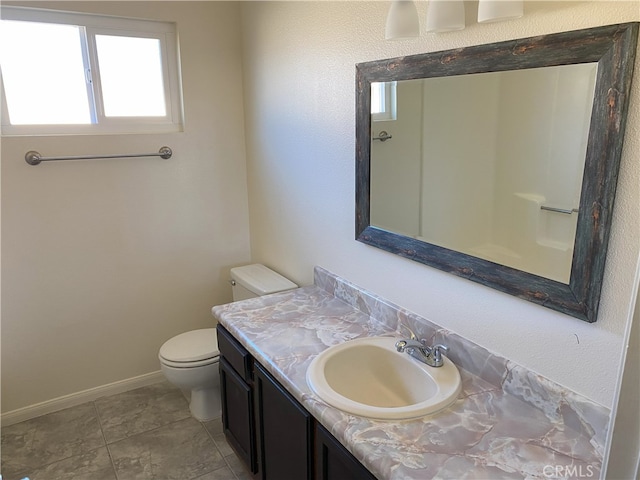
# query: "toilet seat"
201, 363
191, 349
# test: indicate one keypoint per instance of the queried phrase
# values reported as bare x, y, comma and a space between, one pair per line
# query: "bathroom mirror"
509, 165
499, 162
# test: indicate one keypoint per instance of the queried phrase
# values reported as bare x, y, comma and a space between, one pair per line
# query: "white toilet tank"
256, 280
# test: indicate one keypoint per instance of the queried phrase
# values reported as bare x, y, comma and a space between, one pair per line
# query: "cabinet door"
334, 462
235, 354
237, 414
285, 431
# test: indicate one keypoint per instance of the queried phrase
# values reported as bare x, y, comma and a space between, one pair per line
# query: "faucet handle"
437, 351
400, 345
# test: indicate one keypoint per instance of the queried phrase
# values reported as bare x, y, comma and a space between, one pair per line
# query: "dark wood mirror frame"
613, 48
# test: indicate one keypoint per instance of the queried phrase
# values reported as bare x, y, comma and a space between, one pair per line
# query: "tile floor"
143, 434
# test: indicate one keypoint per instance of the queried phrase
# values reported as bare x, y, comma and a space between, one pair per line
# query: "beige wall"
102, 261
299, 68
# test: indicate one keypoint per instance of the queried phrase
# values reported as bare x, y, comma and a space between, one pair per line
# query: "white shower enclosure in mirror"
505, 151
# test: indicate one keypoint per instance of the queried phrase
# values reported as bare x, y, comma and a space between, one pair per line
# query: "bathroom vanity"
507, 422
265, 424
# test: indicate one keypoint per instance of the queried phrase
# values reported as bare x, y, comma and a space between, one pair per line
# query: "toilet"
190, 360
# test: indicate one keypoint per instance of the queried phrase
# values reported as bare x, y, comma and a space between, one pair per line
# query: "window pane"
131, 76
383, 101
43, 73
377, 97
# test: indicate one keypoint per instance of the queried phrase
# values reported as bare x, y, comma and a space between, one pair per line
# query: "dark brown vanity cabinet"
286, 431
333, 461
236, 390
275, 436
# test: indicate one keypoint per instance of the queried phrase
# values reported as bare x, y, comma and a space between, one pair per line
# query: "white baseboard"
53, 405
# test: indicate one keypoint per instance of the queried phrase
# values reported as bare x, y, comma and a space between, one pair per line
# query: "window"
78, 73
383, 101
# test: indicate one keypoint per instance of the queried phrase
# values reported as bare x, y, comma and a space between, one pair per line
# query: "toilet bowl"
190, 360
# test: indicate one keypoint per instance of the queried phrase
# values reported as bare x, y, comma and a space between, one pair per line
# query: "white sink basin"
368, 377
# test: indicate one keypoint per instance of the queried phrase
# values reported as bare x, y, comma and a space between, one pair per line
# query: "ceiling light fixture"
402, 20
498, 10
445, 15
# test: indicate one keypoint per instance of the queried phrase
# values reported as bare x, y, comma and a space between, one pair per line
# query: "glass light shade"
402, 21
498, 10
445, 15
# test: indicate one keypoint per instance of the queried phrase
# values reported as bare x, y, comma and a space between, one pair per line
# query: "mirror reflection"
504, 151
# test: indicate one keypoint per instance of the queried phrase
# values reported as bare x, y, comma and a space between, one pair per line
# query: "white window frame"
92, 25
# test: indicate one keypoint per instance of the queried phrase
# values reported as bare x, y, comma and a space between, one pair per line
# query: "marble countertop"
486, 434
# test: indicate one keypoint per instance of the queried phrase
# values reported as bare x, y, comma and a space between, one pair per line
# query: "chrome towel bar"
383, 136
559, 210
34, 158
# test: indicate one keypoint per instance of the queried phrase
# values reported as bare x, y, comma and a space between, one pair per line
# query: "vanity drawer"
234, 353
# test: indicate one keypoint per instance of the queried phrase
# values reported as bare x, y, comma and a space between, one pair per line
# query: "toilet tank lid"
191, 346
261, 280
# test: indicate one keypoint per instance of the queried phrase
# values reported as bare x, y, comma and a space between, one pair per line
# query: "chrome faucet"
432, 356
